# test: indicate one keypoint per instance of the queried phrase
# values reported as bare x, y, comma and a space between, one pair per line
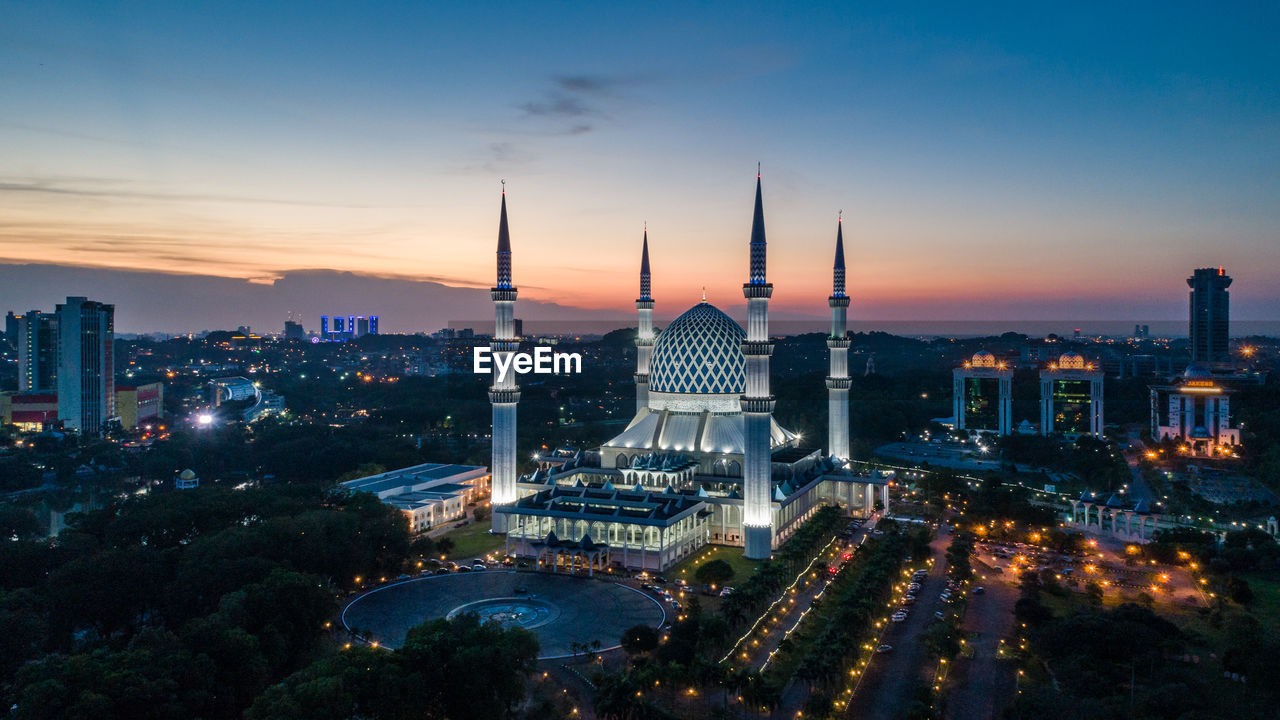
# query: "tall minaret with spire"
838, 344
503, 393
645, 337
758, 402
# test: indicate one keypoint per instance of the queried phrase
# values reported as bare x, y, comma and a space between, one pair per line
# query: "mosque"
702, 461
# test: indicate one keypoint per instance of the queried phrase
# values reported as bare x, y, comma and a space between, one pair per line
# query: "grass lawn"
473, 540
742, 567
1266, 598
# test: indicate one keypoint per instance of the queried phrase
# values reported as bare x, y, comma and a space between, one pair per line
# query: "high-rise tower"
503, 393
1210, 317
86, 370
838, 345
38, 352
758, 402
644, 337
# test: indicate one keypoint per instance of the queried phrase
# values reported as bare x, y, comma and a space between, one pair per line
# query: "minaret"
644, 338
838, 344
503, 393
757, 403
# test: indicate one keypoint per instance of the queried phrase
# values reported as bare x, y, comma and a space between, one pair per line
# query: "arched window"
622, 461
735, 468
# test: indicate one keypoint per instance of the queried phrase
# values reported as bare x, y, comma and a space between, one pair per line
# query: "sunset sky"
1014, 162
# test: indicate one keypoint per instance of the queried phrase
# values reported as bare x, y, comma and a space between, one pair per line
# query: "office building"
38, 352
294, 331
1210, 318
1071, 397
982, 392
1196, 413
86, 369
11, 329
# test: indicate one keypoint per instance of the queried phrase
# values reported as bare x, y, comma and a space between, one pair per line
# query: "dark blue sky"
1013, 161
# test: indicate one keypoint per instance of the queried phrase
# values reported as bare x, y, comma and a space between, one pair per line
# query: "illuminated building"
838, 349
1114, 515
243, 396
1210, 318
86, 370
1071, 397
347, 327
504, 394
757, 402
982, 394
136, 404
644, 332
1196, 412
680, 475
428, 495
37, 352
30, 411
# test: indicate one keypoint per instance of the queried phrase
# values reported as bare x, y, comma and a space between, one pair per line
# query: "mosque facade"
703, 461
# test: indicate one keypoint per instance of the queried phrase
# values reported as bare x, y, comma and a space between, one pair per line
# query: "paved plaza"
560, 610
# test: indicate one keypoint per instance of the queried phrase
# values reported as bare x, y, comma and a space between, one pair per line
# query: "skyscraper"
37, 352
11, 329
1210, 317
86, 369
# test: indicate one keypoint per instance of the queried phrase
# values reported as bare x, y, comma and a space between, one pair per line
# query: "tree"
714, 572
1093, 591
639, 639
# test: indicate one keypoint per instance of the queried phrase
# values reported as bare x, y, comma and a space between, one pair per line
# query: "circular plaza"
562, 611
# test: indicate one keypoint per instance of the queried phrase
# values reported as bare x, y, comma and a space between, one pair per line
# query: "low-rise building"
430, 494
136, 404
30, 411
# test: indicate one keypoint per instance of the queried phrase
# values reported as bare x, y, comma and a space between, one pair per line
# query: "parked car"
884, 648
979, 590
726, 592
478, 566
939, 615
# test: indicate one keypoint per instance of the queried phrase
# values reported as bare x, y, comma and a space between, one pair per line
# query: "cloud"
572, 104
118, 189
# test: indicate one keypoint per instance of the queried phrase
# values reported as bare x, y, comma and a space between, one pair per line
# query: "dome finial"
704, 293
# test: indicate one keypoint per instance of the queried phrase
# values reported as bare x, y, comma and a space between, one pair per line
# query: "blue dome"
699, 352
1197, 372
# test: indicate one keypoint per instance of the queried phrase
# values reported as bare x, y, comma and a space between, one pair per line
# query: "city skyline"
1003, 168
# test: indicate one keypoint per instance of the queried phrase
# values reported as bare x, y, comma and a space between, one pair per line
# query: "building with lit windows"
1071, 397
29, 411
86, 364
430, 494
1196, 413
982, 392
37, 340
701, 461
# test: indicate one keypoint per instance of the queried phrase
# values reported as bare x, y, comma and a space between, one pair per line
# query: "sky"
1008, 161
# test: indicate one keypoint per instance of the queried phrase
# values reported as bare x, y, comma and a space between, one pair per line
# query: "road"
886, 685
759, 654
981, 683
